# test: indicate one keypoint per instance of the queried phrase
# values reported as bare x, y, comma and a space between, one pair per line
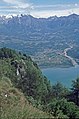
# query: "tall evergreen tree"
75, 91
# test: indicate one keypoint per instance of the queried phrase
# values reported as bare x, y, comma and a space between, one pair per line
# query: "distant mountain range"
24, 24
41, 36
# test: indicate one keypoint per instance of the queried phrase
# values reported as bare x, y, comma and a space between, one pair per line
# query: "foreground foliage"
23, 89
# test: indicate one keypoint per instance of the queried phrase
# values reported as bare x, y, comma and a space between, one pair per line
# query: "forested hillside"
26, 93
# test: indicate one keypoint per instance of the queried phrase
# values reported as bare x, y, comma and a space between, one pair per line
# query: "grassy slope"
14, 105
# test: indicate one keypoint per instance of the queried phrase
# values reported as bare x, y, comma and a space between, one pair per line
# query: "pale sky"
39, 8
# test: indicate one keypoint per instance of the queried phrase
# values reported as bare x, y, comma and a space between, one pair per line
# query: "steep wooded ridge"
21, 84
26, 93
42, 38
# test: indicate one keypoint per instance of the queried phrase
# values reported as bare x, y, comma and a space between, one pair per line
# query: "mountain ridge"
21, 15
42, 38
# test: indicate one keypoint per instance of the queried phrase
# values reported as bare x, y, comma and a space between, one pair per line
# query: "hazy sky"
39, 8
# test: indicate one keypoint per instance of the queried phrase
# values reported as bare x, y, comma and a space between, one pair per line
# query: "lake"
63, 75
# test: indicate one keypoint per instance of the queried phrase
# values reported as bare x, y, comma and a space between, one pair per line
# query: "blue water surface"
63, 75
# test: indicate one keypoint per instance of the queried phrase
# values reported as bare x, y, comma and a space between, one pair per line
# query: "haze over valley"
44, 39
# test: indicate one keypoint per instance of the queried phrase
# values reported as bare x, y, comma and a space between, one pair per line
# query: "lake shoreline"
55, 67
74, 63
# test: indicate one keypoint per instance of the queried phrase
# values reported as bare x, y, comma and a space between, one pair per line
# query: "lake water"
63, 75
